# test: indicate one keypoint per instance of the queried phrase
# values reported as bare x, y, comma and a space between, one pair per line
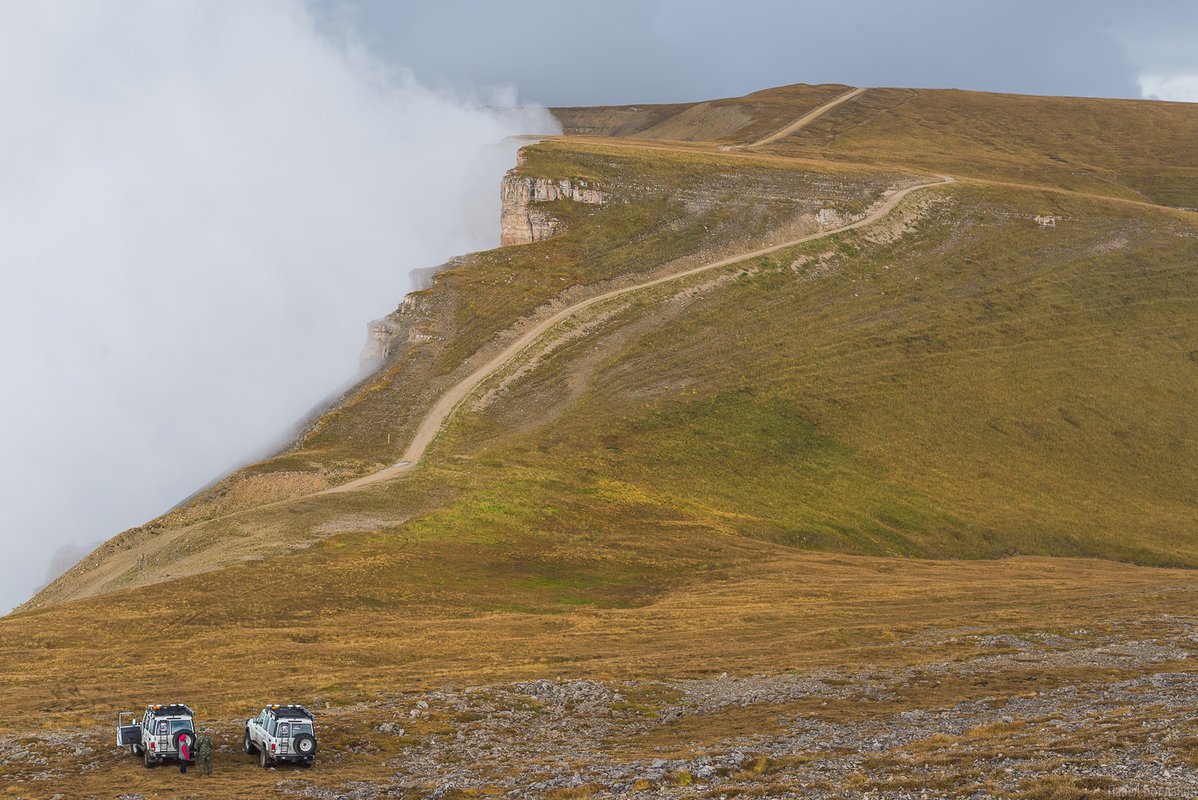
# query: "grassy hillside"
733, 120
976, 386
1123, 148
367, 622
1135, 149
792, 462
666, 211
959, 381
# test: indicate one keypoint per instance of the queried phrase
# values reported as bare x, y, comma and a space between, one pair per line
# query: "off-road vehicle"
281, 733
158, 736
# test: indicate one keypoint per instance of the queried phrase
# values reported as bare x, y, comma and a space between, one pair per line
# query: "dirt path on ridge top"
806, 119
432, 422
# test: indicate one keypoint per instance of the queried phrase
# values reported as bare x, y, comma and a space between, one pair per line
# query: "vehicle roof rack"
171, 710
280, 710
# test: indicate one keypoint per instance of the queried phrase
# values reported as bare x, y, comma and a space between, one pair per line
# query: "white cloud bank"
1182, 88
202, 205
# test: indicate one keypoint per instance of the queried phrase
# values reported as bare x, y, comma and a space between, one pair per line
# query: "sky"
559, 52
204, 203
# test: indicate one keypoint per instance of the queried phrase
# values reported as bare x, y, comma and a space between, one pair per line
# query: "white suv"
281, 733
158, 737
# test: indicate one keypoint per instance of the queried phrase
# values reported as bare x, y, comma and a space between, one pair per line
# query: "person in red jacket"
184, 753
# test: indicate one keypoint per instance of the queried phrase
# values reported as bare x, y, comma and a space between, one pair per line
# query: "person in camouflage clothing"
204, 752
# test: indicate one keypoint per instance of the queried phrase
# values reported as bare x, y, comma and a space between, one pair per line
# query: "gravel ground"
1107, 738
1100, 715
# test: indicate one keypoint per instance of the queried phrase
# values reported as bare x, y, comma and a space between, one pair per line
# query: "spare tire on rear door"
304, 744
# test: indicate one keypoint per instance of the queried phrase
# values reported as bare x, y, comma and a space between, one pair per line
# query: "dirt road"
436, 417
433, 421
806, 119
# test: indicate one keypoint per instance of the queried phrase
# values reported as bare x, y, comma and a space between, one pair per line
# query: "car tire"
135, 749
150, 763
304, 744
248, 745
263, 758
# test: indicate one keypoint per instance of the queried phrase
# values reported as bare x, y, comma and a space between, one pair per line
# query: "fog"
201, 207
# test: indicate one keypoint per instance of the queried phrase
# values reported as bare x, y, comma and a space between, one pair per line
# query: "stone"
398, 327
521, 222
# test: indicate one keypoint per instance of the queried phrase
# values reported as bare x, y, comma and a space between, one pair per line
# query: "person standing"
184, 753
204, 752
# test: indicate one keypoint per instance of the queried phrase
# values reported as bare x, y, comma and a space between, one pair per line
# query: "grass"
789, 464
1122, 148
979, 387
663, 210
737, 120
667, 210
381, 618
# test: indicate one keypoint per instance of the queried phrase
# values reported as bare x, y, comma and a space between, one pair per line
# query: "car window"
270, 726
180, 725
284, 729
162, 727
301, 727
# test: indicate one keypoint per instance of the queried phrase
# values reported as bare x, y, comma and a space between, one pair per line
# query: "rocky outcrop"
522, 222
829, 218
379, 335
397, 328
66, 557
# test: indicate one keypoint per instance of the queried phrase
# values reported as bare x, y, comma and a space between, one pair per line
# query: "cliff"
382, 335
522, 221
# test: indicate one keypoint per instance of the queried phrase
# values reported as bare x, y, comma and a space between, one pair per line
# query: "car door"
127, 733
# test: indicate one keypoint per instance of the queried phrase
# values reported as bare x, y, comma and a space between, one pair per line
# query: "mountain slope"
748, 469
986, 344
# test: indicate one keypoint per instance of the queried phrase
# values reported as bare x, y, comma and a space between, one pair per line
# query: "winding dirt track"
436, 417
433, 421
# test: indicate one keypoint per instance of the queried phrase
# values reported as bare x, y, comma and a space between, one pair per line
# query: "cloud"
1183, 88
634, 51
202, 206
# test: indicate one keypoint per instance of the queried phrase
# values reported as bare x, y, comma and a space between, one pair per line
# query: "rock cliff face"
522, 221
397, 328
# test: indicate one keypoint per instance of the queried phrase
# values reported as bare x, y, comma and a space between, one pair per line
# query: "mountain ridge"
730, 419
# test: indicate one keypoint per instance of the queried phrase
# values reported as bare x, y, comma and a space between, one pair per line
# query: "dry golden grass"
1122, 148
965, 385
329, 636
358, 615
731, 120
